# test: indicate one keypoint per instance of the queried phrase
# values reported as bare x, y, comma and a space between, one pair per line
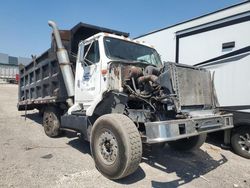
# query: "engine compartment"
154, 93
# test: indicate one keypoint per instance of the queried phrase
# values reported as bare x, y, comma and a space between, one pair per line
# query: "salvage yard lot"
28, 158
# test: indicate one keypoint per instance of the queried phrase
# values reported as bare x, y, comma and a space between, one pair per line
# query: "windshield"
120, 49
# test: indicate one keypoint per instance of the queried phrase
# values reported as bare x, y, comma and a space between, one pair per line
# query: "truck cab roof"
103, 34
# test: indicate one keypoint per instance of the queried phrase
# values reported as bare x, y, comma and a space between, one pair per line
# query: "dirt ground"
28, 158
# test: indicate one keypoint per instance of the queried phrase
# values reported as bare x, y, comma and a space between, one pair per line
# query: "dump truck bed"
41, 82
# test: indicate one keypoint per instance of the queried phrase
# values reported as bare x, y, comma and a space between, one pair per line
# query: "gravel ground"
28, 158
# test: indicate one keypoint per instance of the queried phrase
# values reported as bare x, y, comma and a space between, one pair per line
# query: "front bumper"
163, 131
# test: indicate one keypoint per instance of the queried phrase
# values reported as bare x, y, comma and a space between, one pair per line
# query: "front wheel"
240, 141
188, 144
115, 146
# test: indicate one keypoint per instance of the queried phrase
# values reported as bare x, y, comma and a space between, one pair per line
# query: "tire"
116, 146
240, 141
41, 112
51, 122
188, 144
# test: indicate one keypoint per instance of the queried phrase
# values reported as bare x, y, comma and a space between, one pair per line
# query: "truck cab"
95, 55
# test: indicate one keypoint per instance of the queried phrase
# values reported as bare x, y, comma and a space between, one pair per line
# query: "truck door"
88, 75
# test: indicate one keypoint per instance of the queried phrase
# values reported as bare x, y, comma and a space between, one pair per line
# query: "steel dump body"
41, 81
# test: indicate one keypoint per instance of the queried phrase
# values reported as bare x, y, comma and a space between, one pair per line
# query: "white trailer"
220, 42
8, 73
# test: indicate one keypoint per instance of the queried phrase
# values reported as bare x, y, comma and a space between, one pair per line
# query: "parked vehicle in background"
118, 94
219, 42
8, 73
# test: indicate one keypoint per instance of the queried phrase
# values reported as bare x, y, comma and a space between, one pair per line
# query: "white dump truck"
119, 95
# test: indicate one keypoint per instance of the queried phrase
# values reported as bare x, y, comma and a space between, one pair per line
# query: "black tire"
240, 141
188, 144
41, 112
116, 146
51, 122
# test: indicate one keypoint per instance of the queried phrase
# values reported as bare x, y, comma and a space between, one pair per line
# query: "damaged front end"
166, 103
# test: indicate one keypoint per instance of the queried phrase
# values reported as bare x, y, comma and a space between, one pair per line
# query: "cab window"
92, 54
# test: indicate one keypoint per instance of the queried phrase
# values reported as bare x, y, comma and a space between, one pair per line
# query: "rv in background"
220, 42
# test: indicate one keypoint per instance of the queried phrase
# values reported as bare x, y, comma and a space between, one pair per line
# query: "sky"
24, 29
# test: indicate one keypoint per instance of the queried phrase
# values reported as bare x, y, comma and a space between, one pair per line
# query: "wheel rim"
244, 142
108, 147
48, 122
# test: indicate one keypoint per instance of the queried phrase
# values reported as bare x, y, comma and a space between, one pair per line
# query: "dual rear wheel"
51, 122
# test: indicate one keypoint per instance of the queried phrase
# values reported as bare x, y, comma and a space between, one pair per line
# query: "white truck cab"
94, 56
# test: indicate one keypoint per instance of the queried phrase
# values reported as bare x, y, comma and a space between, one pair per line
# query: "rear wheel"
51, 122
188, 144
41, 111
240, 141
116, 146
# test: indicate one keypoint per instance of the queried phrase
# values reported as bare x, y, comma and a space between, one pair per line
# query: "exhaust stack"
64, 63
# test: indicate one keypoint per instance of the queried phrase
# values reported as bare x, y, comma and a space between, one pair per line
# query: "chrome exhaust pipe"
63, 59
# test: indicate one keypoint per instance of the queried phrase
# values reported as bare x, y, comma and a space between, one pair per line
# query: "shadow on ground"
84, 147
36, 117
187, 165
